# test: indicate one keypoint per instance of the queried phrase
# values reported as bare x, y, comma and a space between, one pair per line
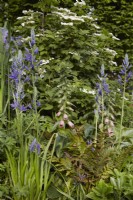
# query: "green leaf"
52, 192
48, 107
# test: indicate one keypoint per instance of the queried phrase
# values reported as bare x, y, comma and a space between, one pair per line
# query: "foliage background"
74, 40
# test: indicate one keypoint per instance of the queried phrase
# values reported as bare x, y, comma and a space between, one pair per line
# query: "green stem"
96, 126
122, 110
102, 122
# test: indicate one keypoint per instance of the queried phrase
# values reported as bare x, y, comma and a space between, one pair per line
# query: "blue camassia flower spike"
34, 145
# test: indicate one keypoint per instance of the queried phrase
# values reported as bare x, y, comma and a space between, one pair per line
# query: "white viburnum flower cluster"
96, 26
94, 53
29, 17
110, 51
66, 14
44, 62
38, 34
88, 91
41, 72
113, 63
113, 37
73, 53
28, 22
67, 24
30, 11
26, 39
78, 3
97, 34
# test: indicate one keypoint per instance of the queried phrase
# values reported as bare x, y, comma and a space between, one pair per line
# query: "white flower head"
113, 63
78, 3
97, 34
44, 62
88, 91
96, 26
23, 24
110, 51
30, 22
24, 11
19, 18
115, 38
67, 24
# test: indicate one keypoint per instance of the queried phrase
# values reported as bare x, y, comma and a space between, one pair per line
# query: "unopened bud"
112, 123
61, 124
106, 121
110, 132
65, 117
70, 124
58, 114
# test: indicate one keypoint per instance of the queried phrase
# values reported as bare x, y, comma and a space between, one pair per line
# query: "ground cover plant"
66, 129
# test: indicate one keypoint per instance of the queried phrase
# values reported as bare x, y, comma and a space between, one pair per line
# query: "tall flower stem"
122, 109
96, 127
102, 90
123, 78
102, 120
4, 57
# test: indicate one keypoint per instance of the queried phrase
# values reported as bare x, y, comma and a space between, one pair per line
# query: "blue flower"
34, 145
22, 108
5, 35
14, 75
105, 87
32, 42
38, 148
38, 103
125, 72
28, 57
14, 105
36, 51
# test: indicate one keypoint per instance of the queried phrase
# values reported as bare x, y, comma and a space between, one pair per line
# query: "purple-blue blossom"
125, 73
102, 89
32, 42
105, 86
38, 147
22, 108
35, 145
32, 146
38, 103
20, 74
5, 35
36, 51
14, 75
15, 105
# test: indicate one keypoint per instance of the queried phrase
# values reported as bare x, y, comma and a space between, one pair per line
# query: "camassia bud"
61, 124
70, 124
